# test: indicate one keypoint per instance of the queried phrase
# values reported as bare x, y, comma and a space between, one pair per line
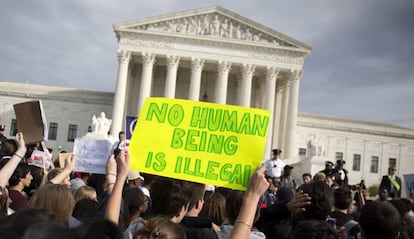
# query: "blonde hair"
85, 192
319, 177
160, 228
55, 197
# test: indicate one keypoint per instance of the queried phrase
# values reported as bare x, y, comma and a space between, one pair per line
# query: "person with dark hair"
20, 179
135, 203
383, 194
194, 225
85, 210
287, 179
321, 200
343, 202
380, 220
234, 203
310, 229
407, 230
170, 198
120, 143
392, 183
2, 137
146, 188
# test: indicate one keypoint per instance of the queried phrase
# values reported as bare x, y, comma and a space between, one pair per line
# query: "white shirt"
274, 168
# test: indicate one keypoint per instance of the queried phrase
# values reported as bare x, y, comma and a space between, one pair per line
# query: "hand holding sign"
198, 141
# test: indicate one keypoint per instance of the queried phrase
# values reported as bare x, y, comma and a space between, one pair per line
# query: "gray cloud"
361, 65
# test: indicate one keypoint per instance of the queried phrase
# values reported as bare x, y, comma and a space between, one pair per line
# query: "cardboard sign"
31, 121
198, 141
91, 155
62, 159
409, 185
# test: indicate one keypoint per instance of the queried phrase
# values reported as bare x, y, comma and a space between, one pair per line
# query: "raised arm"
8, 169
69, 166
114, 202
257, 186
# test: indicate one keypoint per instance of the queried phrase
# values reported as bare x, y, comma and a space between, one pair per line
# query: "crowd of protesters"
61, 203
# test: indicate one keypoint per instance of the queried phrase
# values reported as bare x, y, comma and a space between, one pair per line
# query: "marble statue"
101, 124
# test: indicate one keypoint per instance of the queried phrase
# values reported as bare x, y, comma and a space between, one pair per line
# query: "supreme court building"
215, 55
212, 54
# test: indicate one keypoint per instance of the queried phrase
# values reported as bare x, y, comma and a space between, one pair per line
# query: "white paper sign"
91, 155
38, 160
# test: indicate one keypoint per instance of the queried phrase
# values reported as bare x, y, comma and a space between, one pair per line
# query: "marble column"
277, 112
292, 115
222, 80
171, 81
283, 115
195, 83
120, 92
246, 84
271, 78
148, 60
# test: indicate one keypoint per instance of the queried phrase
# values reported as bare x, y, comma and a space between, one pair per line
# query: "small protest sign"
198, 141
91, 155
31, 120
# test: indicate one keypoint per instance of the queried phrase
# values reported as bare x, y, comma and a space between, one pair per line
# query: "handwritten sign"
91, 155
198, 141
37, 159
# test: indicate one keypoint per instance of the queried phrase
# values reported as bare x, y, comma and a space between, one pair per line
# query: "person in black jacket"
392, 183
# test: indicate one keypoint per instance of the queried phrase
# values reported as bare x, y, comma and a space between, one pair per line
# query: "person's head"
321, 200
307, 177
329, 181
86, 210
121, 136
21, 176
148, 179
197, 198
392, 170
85, 192
284, 194
160, 228
319, 177
276, 153
234, 203
2, 128
170, 198
340, 164
343, 198
380, 220
8, 147
328, 165
308, 229
55, 197
55, 172
49, 230
214, 208
134, 179
401, 207
383, 194
287, 170
135, 203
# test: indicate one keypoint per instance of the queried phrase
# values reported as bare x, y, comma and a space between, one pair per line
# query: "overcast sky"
361, 65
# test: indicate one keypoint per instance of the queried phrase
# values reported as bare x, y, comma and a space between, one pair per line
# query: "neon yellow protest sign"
198, 141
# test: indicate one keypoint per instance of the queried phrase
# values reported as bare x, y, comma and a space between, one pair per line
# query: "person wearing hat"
287, 179
2, 137
134, 179
274, 166
330, 170
342, 174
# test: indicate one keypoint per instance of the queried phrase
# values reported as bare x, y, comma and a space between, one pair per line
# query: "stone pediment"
212, 22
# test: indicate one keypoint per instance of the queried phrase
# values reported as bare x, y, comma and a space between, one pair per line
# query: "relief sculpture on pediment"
214, 25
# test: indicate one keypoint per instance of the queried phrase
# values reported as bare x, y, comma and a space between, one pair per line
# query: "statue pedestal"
304, 164
96, 136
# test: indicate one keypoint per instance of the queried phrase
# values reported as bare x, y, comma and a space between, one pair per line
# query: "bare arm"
8, 169
243, 224
69, 166
114, 202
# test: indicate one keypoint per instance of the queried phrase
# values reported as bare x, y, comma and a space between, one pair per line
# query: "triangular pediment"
213, 22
